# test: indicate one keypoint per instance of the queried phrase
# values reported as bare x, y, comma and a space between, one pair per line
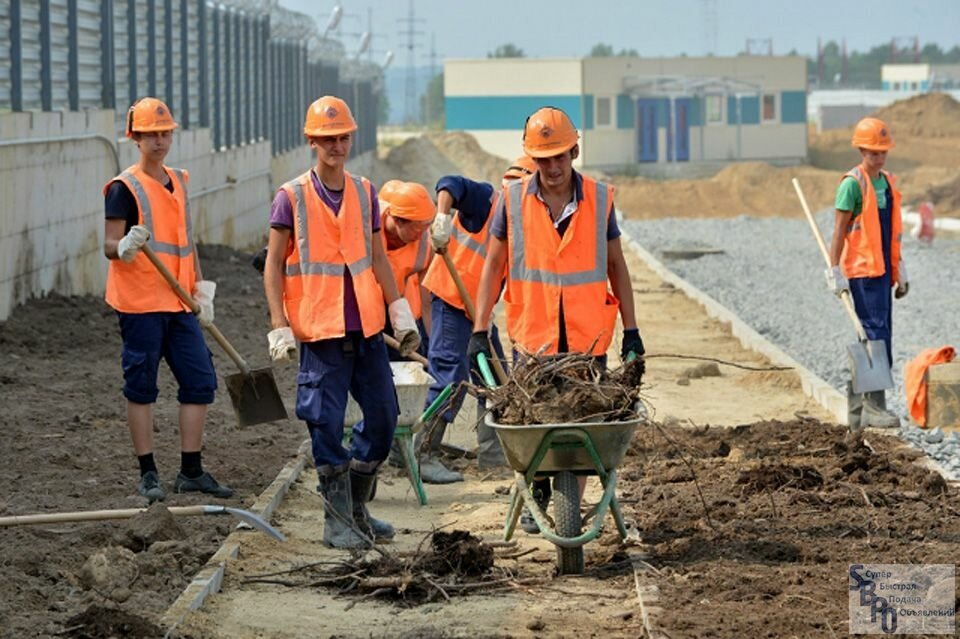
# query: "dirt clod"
98, 622
153, 525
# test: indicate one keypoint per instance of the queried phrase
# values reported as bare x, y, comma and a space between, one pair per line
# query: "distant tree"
606, 51
431, 103
507, 51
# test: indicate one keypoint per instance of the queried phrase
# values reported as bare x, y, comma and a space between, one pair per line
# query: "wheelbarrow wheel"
566, 513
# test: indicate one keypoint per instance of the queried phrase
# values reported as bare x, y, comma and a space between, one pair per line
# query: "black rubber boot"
432, 470
338, 513
541, 495
361, 488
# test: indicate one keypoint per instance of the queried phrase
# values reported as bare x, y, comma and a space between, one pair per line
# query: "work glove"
283, 346
203, 292
131, 243
404, 326
259, 260
632, 343
440, 231
836, 281
479, 343
903, 284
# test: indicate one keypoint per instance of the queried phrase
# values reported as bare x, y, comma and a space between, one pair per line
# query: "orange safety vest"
544, 267
322, 245
468, 252
137, 287
406, 262
862, 251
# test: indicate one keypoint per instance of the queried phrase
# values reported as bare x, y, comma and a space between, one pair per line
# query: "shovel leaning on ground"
253, 393
252, 519
869, 368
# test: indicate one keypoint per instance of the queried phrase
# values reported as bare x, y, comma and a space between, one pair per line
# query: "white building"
913, 78
653, 114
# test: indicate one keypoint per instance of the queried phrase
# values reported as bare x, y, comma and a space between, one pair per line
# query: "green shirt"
849, 197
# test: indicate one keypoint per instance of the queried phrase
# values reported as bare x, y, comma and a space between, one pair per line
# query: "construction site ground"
746, 504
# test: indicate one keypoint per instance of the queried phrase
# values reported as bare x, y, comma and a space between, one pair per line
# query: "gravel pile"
770, 274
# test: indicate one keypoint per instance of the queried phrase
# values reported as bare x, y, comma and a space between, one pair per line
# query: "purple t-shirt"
281, 217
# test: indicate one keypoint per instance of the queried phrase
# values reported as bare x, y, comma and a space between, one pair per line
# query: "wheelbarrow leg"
516, 507
404, 439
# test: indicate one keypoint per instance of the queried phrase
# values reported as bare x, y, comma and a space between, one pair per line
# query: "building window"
769, 107
896, 86
913, 86
714, 109
604, 112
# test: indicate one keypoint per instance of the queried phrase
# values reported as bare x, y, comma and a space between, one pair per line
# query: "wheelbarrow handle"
433, 408
485, 371
195, 307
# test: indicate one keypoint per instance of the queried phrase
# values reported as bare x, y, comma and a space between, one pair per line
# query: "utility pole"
432, 57
410, 89
710, 26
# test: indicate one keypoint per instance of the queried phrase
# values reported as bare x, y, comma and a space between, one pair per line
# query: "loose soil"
66, 448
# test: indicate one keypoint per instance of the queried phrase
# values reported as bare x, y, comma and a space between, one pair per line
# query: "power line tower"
410, 32
709, 26
429, 116
903, 44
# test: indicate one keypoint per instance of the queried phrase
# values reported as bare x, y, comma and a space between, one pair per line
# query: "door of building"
647, 130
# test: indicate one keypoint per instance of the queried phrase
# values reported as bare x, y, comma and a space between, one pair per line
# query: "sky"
569, 28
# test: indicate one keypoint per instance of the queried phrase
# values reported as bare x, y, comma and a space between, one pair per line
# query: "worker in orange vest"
326, 278
462, 229
147, 205
555, 232
407, 211
865, 255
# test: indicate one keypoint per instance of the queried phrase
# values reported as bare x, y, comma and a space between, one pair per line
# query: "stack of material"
569, 388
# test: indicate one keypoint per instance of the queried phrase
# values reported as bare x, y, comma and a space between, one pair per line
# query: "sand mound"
932, 115
425, 159
462, 149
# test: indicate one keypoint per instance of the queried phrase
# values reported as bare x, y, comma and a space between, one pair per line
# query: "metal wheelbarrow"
412, 384
563, 452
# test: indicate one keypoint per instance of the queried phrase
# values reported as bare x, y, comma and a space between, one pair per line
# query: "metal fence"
247, 73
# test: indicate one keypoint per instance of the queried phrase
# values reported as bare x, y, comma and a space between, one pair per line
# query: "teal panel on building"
588, 122
626, 112
506, 112
793, 107
695, 112
749, 110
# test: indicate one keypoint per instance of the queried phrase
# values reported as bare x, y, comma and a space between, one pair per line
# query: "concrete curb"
210, 578
813, 386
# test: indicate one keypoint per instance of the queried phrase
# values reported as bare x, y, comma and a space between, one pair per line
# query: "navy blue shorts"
174, 337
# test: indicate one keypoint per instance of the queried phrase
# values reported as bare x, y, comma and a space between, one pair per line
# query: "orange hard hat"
521, 167
328, 116
411, 201
872, 134
389, 189
548, 132
148, 115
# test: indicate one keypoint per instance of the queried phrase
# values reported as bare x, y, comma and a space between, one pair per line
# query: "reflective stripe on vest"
301, 219
518, 267
146, 210
466, 239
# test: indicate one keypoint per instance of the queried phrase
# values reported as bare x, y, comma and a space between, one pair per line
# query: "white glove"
404, 326
282, 344
203, 292
836, 281
440, 231
131, 243
903, 285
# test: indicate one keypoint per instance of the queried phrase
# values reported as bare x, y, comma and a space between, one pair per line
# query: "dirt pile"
425, 159
463, 150
931, 115
745, 524
66, 448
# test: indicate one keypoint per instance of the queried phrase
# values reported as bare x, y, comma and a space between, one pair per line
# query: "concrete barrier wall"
51, 205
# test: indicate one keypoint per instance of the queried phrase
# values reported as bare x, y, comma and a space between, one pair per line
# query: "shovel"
470, 308
869, 368
252, 519
253, 393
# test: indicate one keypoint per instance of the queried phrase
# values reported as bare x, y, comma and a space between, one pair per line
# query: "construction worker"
406, 212
555, 232
326, 278
461, 229
865, 255
147, 205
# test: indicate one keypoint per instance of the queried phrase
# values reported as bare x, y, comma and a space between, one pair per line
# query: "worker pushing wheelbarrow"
554, 251
564, 452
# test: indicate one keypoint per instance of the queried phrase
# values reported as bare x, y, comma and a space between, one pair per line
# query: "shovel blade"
869, 368
255, 397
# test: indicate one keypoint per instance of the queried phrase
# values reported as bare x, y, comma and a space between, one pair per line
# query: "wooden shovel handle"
395, 345
192, 304
845, 295
91, 515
